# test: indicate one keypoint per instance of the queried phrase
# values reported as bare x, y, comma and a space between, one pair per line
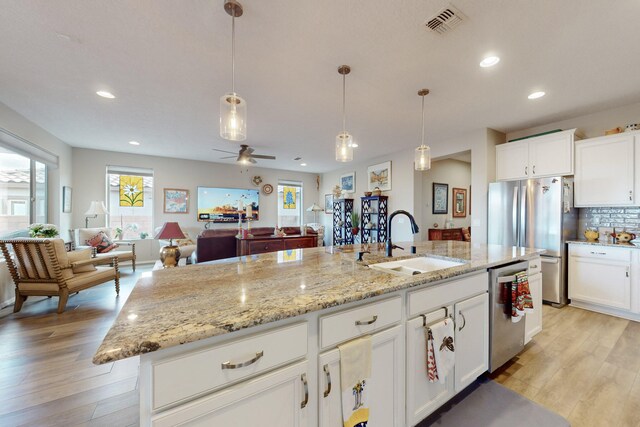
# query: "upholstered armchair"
44, 267
124, 251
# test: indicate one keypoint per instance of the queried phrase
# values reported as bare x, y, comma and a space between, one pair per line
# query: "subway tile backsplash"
620, 218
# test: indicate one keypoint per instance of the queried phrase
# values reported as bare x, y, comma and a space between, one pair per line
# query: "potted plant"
355, 222
144, 235
118, 233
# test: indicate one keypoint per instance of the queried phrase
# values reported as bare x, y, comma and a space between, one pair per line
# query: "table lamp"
170, 255
315, 209
95, 208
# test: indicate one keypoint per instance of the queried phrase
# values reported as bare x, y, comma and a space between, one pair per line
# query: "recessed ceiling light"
303, 164
536, 95
105, 94
489, 61
134, 143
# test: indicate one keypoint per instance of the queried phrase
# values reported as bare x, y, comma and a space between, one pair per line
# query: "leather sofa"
220, 243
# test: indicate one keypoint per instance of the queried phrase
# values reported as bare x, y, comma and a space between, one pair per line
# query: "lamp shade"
97, 208
170, 230
314, 208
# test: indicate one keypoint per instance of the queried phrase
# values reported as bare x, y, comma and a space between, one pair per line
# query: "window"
23, 191
130, 201
290, 211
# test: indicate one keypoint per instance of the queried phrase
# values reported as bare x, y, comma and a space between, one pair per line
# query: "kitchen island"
243, 338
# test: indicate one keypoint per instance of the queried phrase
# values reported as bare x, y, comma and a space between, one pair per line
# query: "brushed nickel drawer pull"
366, 322
229, 365
325, 368
533, 266
303, 378
464, 321
598, 253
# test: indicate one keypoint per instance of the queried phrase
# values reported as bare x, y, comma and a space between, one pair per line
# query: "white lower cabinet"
471, 339
533, 320
386, 388
279, 398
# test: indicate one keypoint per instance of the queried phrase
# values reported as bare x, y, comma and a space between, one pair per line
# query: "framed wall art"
440, 198
176, 200
66, 199
459, 203
328, 203
379, 176
348, 182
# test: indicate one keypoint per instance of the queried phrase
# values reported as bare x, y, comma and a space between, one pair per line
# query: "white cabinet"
605, 171
600, 275
278, 399
386, 392
533, 320
537, 157
471, 339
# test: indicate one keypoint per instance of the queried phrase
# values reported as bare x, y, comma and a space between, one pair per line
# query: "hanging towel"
355, 376
521, 301
444, 347
432, 369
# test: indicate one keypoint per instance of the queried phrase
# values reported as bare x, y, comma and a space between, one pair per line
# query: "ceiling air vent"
445, 20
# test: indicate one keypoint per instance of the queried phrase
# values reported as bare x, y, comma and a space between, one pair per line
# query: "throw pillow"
185, 242
81, 255
102, 243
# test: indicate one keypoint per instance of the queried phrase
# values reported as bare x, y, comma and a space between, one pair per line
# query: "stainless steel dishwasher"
506, 339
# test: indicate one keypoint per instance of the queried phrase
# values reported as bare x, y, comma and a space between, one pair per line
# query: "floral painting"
176, 200
289, 197
131, 191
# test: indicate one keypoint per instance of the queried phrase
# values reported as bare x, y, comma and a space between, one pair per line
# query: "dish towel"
355, 376
432, 369
521, 301
444, 347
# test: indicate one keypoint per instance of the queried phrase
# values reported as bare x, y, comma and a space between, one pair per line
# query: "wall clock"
267, 189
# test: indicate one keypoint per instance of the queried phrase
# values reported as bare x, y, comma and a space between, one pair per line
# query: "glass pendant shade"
344, 147
422, 158
233, 117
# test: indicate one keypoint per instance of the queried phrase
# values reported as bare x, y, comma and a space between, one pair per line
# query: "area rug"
488, 404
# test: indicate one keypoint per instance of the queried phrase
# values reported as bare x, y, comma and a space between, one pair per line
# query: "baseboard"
606, 310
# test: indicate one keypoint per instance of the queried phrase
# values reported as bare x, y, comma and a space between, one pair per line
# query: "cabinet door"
423, 397
276, 399
471, 340
551, 155
605, 171
386, 385
512, 161
533, 320
600, 281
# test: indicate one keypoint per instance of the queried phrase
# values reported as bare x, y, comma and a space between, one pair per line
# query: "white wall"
89, 184
56, 178
456, 174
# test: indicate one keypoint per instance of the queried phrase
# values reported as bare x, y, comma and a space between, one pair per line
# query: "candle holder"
249, 227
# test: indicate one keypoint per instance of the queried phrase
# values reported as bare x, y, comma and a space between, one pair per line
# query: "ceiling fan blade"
261, 156
223, 151
249, 150
252, 160
228, 157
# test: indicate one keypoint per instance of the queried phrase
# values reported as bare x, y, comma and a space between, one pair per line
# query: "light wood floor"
584, 366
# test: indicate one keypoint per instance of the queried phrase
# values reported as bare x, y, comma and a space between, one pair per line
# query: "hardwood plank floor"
583, 365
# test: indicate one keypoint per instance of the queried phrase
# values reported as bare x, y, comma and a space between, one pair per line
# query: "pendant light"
233, 109
344, 141
422, 159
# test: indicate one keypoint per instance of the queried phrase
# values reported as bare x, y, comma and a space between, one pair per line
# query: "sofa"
214, 244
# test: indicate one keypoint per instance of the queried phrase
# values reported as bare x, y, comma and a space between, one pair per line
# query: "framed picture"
379, 176
66, 199
328, 203
459, 202
348, 182
440, 198
176, 200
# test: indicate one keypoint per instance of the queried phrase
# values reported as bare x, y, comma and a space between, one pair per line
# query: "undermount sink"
413, 266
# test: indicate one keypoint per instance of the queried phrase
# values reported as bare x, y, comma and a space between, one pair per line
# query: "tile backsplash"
627, 218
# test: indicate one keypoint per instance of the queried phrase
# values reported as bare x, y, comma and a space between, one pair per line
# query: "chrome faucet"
414, 230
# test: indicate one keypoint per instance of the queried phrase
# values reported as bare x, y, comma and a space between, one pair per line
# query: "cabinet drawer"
601, 252
299, 243
263, 246
444, 294
350, 324
535, 266
202, 371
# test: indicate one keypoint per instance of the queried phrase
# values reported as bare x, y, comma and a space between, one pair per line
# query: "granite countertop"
633, 245
186, 304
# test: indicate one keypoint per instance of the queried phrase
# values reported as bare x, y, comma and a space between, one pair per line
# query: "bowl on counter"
591, 235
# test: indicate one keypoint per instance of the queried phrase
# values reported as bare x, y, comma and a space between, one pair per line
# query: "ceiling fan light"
233, 117
344, 147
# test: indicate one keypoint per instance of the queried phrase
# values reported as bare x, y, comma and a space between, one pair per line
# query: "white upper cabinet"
538, 157
605, 171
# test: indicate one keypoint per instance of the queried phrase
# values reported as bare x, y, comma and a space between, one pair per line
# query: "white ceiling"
168, 62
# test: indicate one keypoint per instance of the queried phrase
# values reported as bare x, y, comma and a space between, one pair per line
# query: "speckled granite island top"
634, 245
186, 304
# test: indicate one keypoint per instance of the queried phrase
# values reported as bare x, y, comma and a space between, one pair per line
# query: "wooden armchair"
43, 267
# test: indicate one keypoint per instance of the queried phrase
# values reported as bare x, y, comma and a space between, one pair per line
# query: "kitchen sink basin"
413, 266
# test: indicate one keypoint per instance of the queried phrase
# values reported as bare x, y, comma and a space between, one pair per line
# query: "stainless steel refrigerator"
537, 213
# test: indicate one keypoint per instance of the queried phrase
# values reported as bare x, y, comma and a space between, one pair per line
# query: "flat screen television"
221, 204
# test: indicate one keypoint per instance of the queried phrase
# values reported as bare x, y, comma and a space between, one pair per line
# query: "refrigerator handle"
514, 213
522, 235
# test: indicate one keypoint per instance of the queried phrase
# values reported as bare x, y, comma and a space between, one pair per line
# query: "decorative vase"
337, 191
355, 230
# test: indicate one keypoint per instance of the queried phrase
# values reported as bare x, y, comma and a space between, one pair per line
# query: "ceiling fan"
245, 155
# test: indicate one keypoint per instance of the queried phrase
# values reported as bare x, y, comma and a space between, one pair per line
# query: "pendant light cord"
344, 114
233, 53
422, 121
